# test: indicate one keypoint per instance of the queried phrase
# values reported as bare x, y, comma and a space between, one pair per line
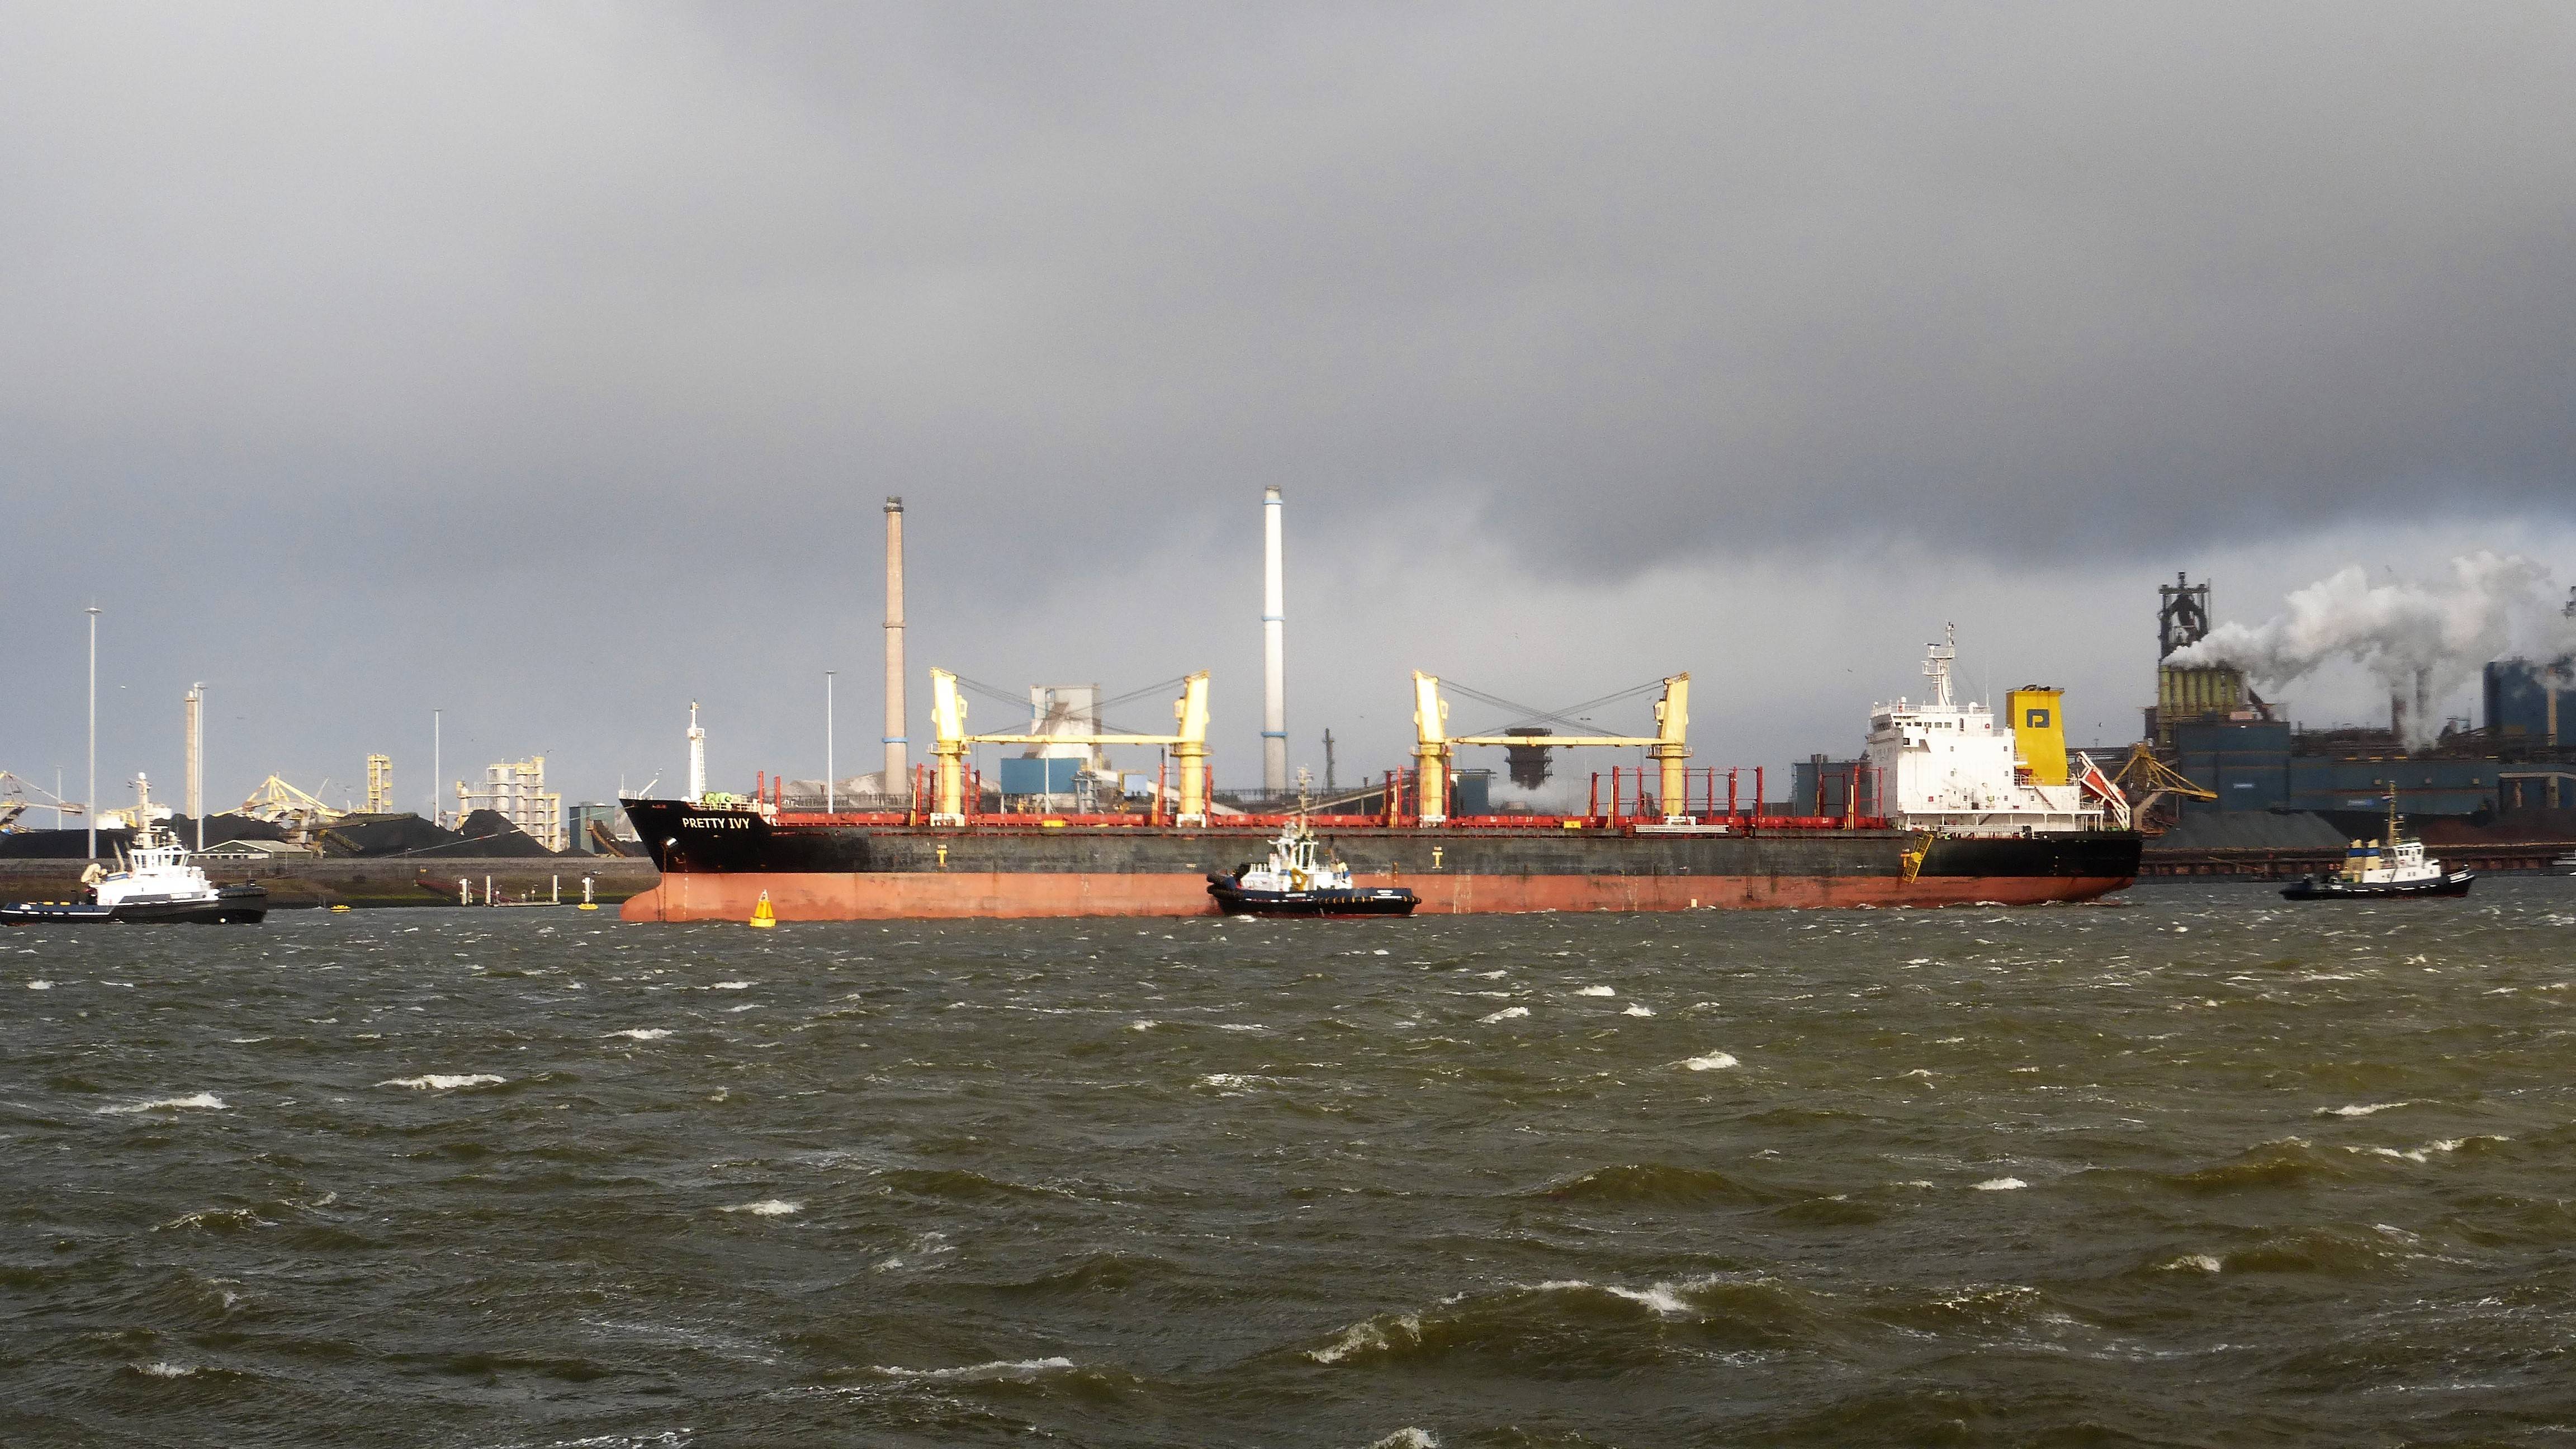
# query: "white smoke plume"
2417, 638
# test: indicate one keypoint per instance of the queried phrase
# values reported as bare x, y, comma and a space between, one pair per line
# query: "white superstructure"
1297, 862
156, 870
1946, 766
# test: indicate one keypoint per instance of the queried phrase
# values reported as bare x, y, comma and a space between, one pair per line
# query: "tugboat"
1300, 881
155, 882
2372, 872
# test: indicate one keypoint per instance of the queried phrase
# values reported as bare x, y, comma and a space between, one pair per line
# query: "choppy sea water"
2196, 1168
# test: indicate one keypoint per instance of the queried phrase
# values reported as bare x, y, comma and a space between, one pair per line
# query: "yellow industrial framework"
1668, 746
2146, 781
280, 803
951, 742
380, 784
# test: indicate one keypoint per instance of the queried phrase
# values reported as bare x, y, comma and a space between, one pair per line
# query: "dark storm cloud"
1631, 281
507, 324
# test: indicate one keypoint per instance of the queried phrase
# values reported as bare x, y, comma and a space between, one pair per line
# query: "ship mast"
697, 757
1936, 664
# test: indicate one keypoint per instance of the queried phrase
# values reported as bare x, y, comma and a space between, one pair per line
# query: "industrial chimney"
897, 770
1274, 650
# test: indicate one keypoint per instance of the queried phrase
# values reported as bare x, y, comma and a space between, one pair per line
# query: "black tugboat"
1299, 881
2372, 872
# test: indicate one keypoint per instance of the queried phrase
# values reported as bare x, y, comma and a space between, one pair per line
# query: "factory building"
2266, 765
2192, 693
585, 823
516, 791
2520, 757
1822, 786
2531, 704
1073, 775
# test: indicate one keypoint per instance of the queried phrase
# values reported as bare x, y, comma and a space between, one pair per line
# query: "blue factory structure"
2520, 757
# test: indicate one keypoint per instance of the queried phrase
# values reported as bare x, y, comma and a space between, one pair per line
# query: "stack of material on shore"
73, 844
487, 834
367, 836
2249, 830
2510, 827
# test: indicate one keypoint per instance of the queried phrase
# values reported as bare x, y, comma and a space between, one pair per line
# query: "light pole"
831, 797
437, 767
89, 811
197, 760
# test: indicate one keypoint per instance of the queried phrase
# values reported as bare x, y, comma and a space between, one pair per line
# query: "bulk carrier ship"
1959, 810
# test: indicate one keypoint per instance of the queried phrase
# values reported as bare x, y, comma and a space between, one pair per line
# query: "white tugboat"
1300, 880
156, 881
2375, 872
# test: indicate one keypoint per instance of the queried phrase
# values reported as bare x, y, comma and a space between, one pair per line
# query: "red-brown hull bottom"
815, 896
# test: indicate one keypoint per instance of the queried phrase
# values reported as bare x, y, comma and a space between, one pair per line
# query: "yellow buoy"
340, 907
587, 906
762, 916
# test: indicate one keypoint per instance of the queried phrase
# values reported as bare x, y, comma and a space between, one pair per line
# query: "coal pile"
74, 844
368, 836
486, 834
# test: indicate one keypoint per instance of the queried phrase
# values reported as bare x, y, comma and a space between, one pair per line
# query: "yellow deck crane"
1432, 745
951, 742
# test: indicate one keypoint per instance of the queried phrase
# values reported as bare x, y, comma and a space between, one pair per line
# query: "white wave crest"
166, 1370
1664, 1298
1713, 1062
1598, 991
2363, 1110
2002, 1184
1407, 1437
733, 986
2193, 1263
979, 1373
1369, 1336
2430, 1150
1638, 1011
442, 1082
40, 986
767, 1208
1506, 1014
643, 1033
205, 1101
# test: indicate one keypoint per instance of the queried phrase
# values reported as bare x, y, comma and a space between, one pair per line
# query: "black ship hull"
716, 863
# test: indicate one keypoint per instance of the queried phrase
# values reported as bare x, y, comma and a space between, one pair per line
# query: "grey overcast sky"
548, 364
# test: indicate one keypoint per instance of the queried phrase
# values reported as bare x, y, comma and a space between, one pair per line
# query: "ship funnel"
1274, 649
